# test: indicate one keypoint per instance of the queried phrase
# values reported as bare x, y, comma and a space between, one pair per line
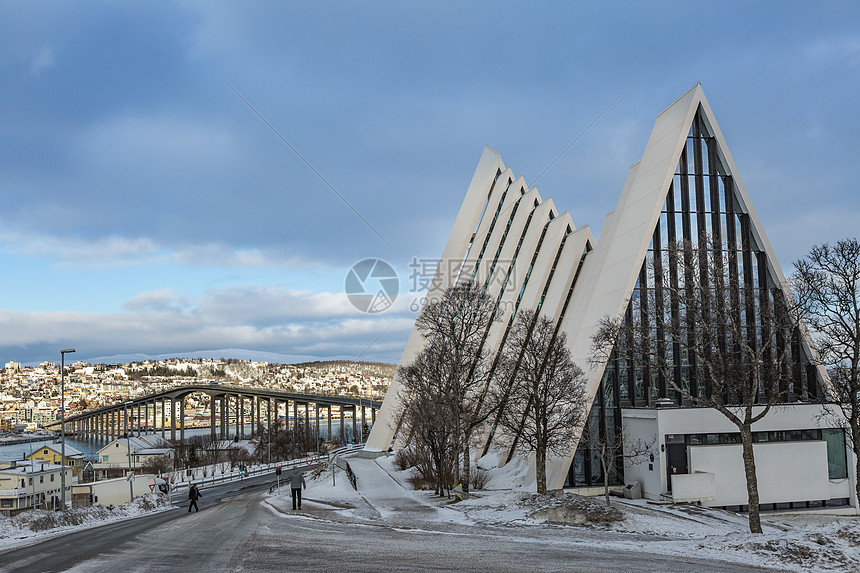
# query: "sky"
179, 177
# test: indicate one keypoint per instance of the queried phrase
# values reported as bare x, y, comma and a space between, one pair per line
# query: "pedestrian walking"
297, 482
193, 494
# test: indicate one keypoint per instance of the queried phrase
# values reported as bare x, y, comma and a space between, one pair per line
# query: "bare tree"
827, 286
426, 417
456, 365
546, 403
611, 447
733, 337
156, 465
283, 442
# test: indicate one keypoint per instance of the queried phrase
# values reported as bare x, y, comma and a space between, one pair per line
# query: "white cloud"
149, 331
43, 60
105, 252
161, 300
121, 252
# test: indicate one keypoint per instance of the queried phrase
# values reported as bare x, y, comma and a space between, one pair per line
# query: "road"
237, 531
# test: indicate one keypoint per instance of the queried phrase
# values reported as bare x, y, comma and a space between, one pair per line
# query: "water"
91, 446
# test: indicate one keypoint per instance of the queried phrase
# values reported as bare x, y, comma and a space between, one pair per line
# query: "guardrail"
235, 475
344, 465
309, 461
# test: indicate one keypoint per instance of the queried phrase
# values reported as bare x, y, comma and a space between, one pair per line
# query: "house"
53, 453
124, 454
25, 484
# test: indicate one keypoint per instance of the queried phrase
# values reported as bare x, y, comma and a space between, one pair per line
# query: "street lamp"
361, 426
63, 425
128, 447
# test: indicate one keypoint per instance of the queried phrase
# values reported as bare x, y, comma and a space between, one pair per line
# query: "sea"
90, 446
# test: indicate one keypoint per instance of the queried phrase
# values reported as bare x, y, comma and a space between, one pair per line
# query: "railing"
351, 476
233, 476
344, 465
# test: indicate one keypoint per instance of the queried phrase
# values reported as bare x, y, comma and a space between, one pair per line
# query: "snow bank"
32, 525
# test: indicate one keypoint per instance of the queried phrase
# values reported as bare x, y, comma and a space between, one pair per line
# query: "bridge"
158, 411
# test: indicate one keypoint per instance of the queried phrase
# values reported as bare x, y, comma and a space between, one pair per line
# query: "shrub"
479, 477
404, 459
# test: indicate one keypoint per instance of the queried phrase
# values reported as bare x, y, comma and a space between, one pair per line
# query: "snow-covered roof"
71, 451
23, 468
138, 444
151, 451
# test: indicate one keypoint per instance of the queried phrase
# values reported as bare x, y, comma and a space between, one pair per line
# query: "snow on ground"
800, 542
31, 527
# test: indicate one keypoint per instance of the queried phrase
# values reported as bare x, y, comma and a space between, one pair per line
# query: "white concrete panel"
708, 420
455, 249
517, 273
543, 264
494, 272
642, 424
482, 255
787, 471
537, 280
696, 487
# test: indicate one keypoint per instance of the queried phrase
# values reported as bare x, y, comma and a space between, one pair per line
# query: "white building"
115, 491
125, 454
526, 254
25, 483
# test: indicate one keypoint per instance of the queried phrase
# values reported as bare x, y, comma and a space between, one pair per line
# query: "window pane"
837, 465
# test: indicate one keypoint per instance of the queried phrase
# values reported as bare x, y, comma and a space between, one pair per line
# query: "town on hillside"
30, 396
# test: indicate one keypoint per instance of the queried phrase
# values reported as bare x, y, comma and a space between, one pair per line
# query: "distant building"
114, 460
52, 453
24, 483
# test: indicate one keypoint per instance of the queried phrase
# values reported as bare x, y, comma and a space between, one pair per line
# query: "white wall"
787, 471
642, 424
116, 491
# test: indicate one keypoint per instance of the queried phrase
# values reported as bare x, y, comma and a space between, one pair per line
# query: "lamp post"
361, 426
128, 447
63, 425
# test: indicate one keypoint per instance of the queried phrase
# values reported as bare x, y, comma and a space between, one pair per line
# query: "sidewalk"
384, 494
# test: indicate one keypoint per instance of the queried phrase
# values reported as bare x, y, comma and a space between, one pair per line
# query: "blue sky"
144, 208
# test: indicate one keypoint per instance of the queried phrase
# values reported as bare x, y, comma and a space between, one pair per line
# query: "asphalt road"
236, 531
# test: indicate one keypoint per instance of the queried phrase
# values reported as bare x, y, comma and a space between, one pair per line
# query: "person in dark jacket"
193, 494
297, 481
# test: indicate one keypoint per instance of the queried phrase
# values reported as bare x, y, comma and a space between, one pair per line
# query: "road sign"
459, 493
309, 463
151, 487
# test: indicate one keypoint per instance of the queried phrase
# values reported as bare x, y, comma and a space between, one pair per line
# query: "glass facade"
702, 211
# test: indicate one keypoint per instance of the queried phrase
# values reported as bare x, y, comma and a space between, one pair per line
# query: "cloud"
43, 60
213, 254
89, 253
33, 336
123, 252
161, 300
